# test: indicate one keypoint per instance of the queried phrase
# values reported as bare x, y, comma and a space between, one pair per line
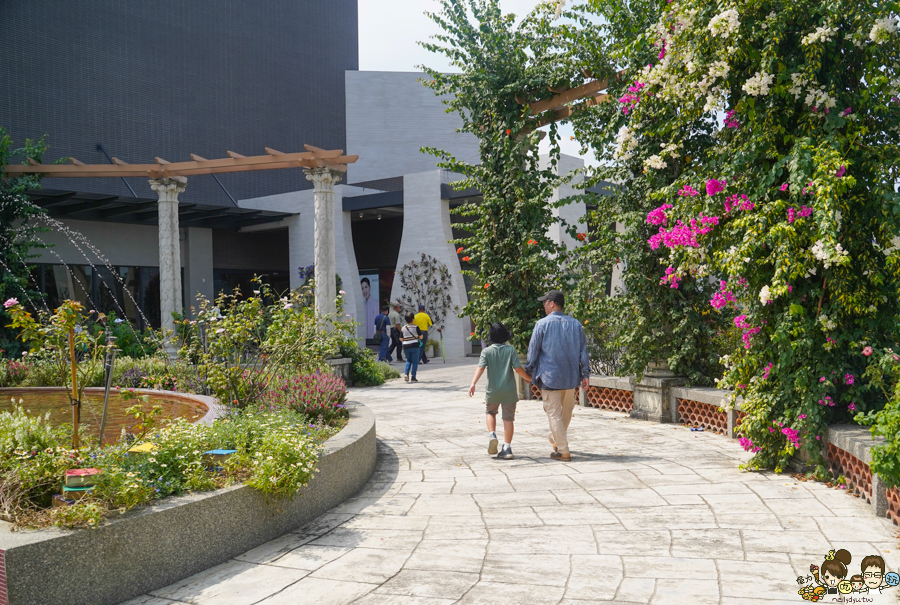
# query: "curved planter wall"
160, 544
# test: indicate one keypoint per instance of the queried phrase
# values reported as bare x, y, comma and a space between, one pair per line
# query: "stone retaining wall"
176, 537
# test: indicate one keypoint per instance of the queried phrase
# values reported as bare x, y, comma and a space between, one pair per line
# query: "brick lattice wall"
4, 597
698, 414
610, 399
616, 400
893, 505
856, 471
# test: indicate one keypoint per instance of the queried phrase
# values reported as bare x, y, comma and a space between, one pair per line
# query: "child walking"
500, 360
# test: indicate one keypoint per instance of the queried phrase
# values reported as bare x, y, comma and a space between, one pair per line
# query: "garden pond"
40, 401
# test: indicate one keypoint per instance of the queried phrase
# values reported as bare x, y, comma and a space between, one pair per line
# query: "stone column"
170, 299
651, 394
324, 180
427, 228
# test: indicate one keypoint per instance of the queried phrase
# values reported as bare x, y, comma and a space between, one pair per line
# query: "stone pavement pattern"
645, 513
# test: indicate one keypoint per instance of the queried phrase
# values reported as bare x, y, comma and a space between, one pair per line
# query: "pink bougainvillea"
671, 278
723, 297
793, 436
714, 186
730, 122
658, 216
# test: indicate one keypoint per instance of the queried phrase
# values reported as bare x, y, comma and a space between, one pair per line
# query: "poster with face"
368, 285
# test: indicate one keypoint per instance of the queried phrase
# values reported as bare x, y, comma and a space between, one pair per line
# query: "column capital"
323, 179
169, 188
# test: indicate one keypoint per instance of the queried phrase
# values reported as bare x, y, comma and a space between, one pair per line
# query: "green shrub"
365, 369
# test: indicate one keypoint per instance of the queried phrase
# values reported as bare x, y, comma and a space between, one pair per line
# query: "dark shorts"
509, 410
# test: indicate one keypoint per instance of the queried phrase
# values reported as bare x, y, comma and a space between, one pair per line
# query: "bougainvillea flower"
714, 186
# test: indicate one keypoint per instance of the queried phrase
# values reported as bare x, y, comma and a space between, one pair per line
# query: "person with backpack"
382, 336
411, 337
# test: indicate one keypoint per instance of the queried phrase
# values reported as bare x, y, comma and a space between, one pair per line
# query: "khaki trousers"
558, 406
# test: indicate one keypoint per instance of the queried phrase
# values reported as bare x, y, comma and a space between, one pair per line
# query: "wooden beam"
565, 112
324, 153
164, 169
234, 155
563, 98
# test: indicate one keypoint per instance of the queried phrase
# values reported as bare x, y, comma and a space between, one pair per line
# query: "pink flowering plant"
796, 201
790, 200
660, 312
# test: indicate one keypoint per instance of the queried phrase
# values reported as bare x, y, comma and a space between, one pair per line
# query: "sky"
390, 29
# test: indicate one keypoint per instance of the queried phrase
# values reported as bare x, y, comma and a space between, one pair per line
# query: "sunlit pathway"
645, 513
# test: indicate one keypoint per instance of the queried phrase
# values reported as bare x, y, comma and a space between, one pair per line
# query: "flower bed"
154, 546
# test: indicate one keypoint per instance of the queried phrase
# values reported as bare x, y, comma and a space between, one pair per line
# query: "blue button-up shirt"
557, 354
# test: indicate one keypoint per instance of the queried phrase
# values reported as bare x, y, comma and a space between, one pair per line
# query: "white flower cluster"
883, 29
822, 34
829, 257
560, 5
654, 161
758, 85
719, 69
724, 24
895, 245
827, 324
764, 295
626, 142
816, 96
671, 149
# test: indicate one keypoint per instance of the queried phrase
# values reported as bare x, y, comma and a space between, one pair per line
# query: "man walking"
396, 325
423, 321
558, 362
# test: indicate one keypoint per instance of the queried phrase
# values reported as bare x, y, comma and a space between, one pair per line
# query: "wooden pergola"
565, 102
323, 167
310, 159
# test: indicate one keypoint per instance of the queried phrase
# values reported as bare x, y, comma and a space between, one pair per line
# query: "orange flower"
472, 334
486, 286
581, 236
532, 242
460, 249
465, 259
508, 132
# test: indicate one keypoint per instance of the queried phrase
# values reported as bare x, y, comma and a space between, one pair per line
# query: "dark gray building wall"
175, 77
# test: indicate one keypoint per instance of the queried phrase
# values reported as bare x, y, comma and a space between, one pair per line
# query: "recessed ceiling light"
360, 215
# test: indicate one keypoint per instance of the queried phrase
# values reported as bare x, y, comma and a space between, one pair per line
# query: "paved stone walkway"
645, 513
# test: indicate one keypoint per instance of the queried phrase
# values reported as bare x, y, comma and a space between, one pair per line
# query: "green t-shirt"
500, 361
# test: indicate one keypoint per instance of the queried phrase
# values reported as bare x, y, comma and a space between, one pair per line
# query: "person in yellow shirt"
423, 321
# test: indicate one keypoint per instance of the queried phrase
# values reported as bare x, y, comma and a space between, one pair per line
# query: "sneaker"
557, 455
505, 453
406, 377
413, 379
492, 443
